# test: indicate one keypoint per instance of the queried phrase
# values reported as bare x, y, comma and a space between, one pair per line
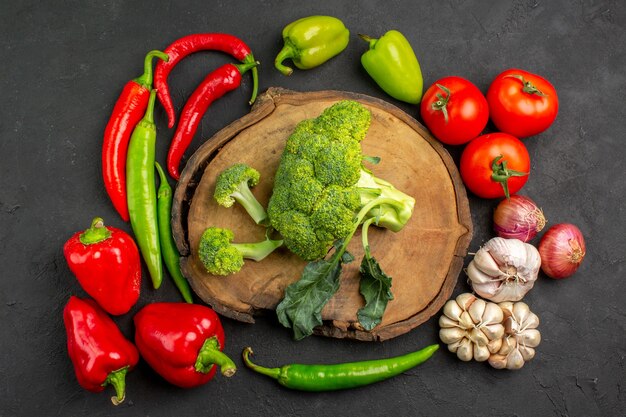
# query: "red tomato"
521, 103
454, 110
492, 163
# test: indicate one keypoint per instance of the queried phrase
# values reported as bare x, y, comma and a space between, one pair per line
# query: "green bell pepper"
391, 62
311, 41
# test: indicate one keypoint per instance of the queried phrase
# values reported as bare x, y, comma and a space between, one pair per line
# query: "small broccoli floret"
222, 257
233, 184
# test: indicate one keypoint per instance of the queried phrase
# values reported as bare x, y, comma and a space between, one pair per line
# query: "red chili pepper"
106, 263
100, 353
219, 82
128, 111
187, 45
182, 342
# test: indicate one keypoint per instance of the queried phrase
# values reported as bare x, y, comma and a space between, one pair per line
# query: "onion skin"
518, 218
562, 249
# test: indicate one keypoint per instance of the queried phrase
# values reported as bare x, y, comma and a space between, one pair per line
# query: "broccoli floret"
222, 257
320, 184
233, 184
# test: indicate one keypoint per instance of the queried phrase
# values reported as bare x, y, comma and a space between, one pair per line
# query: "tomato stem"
528, 87
501, 174
442, 102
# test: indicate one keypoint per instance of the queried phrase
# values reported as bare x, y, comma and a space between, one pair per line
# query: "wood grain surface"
424, 259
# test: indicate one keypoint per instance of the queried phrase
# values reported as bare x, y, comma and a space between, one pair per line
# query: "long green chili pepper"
141, 191
171, 256
342, 375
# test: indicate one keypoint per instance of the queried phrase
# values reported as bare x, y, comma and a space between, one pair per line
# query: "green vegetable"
170, 254
321, 184
322, 194
375, 286
311, 41
391, 62
341, 375
221, 257
233, 184
141, 192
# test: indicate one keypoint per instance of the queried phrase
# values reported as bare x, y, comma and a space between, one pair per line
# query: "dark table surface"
63, 65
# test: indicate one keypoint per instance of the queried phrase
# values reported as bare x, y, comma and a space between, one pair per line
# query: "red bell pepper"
100, 353
182, 342
106, 263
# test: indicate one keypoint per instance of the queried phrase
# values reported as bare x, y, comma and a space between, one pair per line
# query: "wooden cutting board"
424, 259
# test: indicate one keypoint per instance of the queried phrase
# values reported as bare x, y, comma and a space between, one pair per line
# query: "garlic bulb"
504, 269
521, 337
471, 327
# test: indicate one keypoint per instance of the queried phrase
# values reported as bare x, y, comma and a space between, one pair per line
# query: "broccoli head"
222, 257
320, 184
233, 184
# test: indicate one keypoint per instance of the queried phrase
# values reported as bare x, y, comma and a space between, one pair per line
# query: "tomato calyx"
442, 102
528, 87
502, 174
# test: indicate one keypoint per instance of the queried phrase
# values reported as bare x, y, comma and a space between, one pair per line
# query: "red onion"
562, 249
518, 218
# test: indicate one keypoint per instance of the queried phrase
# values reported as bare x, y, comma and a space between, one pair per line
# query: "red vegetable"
521, 103
182, 342
518, 218
106, 262
128, 111
495, 165
100, 353
454, 110
562, 249
187, 45
219, 82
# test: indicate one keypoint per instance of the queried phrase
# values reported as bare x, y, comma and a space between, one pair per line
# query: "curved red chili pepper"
224, 79
187, 45
128, 111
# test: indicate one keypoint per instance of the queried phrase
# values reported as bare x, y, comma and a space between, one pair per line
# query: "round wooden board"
424, 259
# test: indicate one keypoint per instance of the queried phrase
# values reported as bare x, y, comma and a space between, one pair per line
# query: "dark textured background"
63, 65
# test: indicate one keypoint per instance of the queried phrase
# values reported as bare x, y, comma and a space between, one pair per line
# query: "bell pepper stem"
210, 354
146, 78
271, 372
369, 39
118, 380
288, 52
96, 233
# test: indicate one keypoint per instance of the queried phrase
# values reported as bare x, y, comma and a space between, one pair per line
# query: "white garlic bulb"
504, 269
521, 337
471, 327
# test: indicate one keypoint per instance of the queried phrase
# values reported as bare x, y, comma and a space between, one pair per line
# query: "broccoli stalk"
233, 184
222, 257
301, 307
392, 217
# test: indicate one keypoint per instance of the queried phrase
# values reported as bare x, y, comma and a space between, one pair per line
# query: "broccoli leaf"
375, 287
301, 308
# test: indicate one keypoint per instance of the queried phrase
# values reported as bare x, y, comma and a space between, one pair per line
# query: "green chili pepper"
141, 191
171, 256
311, 41
391, 62
343, 375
